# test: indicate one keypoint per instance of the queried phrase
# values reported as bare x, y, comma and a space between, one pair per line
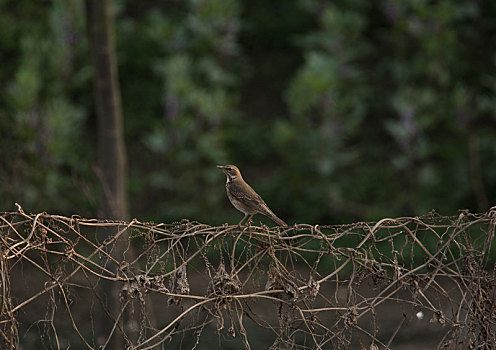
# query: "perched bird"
244, 198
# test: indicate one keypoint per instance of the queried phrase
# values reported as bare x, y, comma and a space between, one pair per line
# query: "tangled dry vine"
362, 285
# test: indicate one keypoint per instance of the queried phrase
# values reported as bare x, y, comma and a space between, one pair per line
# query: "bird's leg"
249, 220
244, 217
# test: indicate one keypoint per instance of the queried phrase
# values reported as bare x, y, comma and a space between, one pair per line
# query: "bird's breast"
237, 201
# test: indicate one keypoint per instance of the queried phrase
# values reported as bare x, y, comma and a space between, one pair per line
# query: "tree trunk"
111, 155
111, 149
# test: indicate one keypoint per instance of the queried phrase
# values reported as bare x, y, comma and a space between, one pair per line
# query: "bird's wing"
247, 194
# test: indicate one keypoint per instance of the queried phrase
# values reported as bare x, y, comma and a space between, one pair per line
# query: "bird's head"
232, 172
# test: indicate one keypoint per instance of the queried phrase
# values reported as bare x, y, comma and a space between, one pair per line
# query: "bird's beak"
220, 166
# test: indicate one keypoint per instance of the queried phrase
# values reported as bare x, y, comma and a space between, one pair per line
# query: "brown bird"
244, 198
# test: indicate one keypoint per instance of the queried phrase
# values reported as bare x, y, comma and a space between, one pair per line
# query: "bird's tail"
273, 216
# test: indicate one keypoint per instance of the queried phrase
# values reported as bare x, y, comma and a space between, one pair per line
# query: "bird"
244, 198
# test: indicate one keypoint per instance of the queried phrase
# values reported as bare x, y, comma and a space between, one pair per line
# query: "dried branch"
305, 286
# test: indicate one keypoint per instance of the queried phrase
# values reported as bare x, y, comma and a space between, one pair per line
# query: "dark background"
335, 111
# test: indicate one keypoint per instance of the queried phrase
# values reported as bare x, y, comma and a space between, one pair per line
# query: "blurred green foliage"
334, 110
